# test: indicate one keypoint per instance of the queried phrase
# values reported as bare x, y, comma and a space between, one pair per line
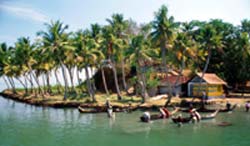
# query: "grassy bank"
57, 101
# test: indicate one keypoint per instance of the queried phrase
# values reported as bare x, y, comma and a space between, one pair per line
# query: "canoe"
182, 120
210, 116
224, 124
154, 117
213, 110
88, 110
205, 110
100, 109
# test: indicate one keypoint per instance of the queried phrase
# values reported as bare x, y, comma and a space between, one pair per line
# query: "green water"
25, 125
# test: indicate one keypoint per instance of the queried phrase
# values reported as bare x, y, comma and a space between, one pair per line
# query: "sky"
26, 17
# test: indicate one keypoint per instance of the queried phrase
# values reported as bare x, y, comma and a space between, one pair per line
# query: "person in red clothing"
164, 113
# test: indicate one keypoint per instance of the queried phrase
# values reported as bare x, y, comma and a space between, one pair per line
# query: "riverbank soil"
132, 101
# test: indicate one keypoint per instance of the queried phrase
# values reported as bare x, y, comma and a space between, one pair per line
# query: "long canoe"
182, 120
210, 116
213, 110
88, 110
158, 116
205, 110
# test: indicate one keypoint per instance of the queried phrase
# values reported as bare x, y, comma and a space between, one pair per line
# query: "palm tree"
119, 26
162, 35
3, 54
210, 40
55, 41
87, 53
183, 52
110, 42
95, 33
140, 51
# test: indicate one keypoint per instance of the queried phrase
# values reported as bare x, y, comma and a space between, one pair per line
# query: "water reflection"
22, 124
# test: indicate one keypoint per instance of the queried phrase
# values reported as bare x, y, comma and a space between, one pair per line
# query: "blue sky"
26, 17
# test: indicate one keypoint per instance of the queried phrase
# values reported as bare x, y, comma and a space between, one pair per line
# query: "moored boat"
158, 116
210, 116
213, 110
206, 110
88, 110
182, 120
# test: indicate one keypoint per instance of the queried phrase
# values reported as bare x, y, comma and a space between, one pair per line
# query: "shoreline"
118, 107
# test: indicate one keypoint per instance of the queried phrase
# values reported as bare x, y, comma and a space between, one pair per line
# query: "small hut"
176, 81
211, 85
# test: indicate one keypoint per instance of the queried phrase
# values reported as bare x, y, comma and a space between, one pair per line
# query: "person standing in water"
228, 105
109, 108
247, 106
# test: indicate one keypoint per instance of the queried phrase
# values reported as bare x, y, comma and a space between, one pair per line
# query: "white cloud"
25, 12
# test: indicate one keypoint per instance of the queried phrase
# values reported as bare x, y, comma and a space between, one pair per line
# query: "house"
211, 85
176, 81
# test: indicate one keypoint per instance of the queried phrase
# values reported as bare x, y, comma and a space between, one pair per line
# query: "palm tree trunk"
143, 86
71, 76
25, 87
92, 81
44, 83
37, 82
165, 70
6, 82
49, 90
12, 83
25, 81
170, 95
119, 97
124, 77
79, 79
180, 74
57, 82
90, 90
31, 83
204, 71
65, 82
104, 81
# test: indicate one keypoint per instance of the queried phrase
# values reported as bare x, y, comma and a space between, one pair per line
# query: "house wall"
195, 89
164, 90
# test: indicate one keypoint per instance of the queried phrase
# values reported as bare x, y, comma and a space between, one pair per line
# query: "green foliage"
182, 45
151, 83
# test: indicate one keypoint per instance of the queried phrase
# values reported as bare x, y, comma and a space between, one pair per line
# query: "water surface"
26, 125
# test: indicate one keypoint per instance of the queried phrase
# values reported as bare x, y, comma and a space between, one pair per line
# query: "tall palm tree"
3, 55
210, 40
55, 41
140, 51
87, 53
110, 43
95, 33
162, 35
119, 26
183, 54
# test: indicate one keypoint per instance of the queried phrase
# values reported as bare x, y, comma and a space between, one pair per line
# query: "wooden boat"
182, 120
152, 118
210, 116
88, 110
101, 109
224, 124
205, 110
213, 110
157, 116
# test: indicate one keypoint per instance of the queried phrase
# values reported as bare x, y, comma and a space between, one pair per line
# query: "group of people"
164, 113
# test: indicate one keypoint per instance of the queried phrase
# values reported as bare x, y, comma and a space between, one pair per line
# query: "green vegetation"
213, 46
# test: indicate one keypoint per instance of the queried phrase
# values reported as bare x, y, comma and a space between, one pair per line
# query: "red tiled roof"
173, 79
211, 78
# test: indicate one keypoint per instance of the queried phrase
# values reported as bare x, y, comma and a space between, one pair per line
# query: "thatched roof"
212, 78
